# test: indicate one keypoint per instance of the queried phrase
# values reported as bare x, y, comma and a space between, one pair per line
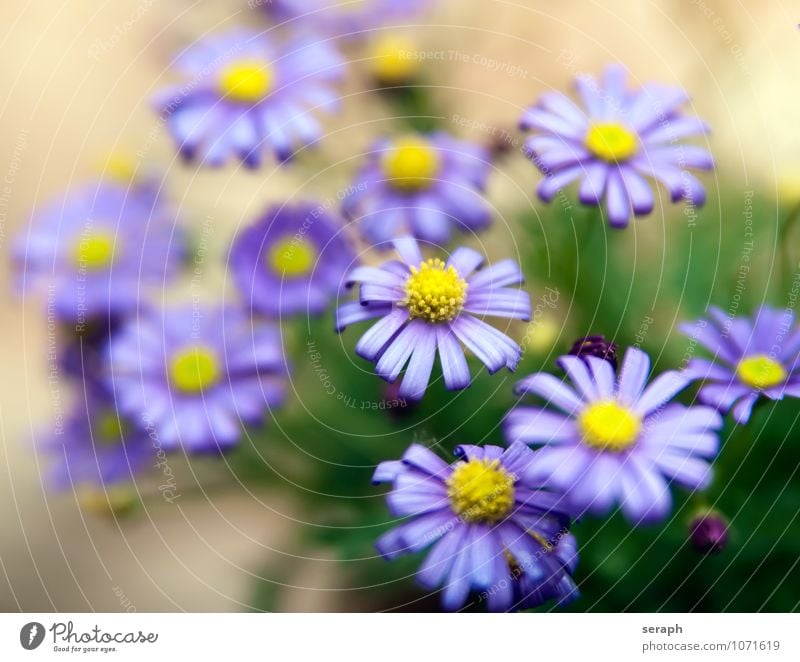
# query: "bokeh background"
76, 78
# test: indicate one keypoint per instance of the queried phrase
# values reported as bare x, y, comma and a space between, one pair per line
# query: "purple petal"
693, 473
593, 185
676, 128
538, 426
743, 408
555, 181
538, 118
354, 311
559, 466
639, 191
662, 389
633, 375
418, 373
500, 274
386, 472
425, 460
504, 302
439, 561
705, 369
579, 375
396, 355
373, 341
597, 489
645, 494
408, 249
604, 377
618, 203
375, 276
465, 260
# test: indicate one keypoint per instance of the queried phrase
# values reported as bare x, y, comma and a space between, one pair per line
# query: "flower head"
420, 185
243, 95
352, 19
97, 250
293, 259
492, 531
194, 375
614, 142
98, 446
430, 305
751, 358
615, 439
708, 532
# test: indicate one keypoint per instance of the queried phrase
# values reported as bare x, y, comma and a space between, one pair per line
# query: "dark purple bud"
501, 142
708, 532
394, 404
595, 346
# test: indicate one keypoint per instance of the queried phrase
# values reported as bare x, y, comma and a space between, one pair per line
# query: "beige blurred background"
75, 79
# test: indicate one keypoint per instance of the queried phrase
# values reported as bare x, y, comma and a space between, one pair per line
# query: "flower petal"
454, 363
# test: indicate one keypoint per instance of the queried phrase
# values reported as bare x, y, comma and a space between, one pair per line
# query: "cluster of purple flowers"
190, 377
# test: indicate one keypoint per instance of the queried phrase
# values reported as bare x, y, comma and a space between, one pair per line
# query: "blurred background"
77, 78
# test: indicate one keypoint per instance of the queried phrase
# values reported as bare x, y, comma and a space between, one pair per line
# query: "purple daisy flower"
96, 445
195, 375
243, 95
93, 253
615, 440
420, 185
619, 138
430, 305
293, 259
344, 18
751, 357
492, 531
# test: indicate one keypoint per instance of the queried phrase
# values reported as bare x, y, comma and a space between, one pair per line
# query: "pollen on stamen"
435, 292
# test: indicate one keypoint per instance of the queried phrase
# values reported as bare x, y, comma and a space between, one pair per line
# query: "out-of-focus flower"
353, 19
708, 532
97, 446
292, 260
595, 346
420, 185
495, 533
752, 357
616, 140
194, 375
427, 306
393, 59
243, 95
616, 440
96, 251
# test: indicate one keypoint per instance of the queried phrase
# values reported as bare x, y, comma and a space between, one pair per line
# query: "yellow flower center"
291, 257
246, 82
760, 371
609, 426
434, 292
94, 251
481, 490
611, 141
411, 164
108, 428
393, 59
194, 369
